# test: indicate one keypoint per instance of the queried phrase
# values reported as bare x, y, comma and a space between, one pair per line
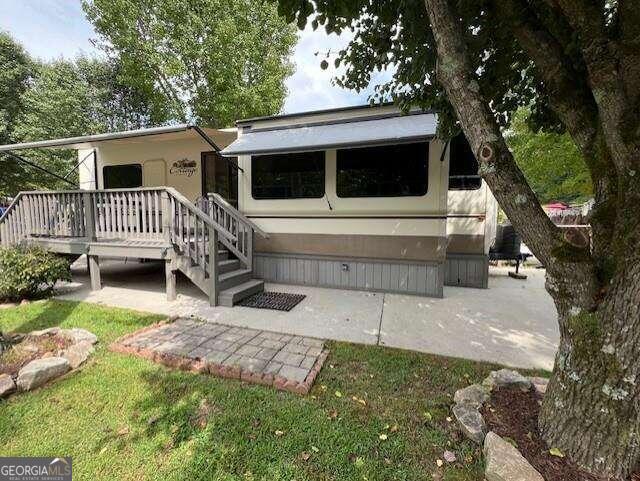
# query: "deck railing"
235, 223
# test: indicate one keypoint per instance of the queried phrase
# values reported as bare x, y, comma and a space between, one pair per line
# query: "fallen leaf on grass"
333, 414
277, 432
556, 452
305, 456
314, 449
383, 437
123, 431
338, 394
439, 462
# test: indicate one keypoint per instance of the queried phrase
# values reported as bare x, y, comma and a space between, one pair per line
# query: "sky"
53, 28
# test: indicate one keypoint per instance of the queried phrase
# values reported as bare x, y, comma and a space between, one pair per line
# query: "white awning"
214, 137
351, 133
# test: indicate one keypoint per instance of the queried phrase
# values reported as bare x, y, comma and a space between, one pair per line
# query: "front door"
220, 175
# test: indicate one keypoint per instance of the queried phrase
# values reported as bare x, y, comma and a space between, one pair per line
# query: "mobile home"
361, 197
364, 198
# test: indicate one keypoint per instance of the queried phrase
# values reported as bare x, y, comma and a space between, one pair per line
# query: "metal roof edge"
126, 134
324, 111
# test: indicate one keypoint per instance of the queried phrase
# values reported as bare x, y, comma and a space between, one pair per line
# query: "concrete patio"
511, 323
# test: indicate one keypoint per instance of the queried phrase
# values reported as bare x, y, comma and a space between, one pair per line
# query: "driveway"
511, 323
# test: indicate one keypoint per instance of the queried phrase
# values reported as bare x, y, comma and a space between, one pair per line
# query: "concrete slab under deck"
511, 323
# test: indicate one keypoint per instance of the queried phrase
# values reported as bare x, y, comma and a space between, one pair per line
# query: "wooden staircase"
235, 282
157, 223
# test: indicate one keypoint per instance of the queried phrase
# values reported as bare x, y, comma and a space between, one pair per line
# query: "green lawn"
121, 417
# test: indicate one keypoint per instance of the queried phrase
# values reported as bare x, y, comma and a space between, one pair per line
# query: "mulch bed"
28, 349
513, 414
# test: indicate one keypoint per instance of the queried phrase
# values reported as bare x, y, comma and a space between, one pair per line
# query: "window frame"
427, 160
322, 158
463, 177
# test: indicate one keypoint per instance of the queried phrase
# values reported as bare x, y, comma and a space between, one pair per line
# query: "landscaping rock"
77, 335
449, 457
44, 332
39, 371
77, 353
539, 384
474, 395
470, 422
7, 386
506, 378
503, 462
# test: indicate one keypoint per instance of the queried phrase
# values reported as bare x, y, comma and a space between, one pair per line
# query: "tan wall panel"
361, 246
186, 181
465, 244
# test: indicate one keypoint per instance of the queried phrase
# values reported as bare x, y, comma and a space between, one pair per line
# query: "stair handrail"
202, 215
5, 239
12, 206
223, 203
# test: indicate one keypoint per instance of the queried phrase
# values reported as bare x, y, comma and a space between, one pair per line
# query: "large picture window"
463, 166
288, 176
122, 176
400, 170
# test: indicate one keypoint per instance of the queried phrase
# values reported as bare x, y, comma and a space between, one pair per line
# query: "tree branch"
628, 18
574, 104
602, 57
497, 165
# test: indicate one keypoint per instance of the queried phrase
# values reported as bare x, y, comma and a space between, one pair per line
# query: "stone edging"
201, 366
503, 461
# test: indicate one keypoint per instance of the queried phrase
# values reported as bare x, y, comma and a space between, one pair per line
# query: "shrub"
28, 272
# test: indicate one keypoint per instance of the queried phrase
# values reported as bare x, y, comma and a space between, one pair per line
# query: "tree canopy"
211, 61
61, 98
17, 69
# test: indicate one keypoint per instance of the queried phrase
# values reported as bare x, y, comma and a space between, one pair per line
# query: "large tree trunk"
592, 406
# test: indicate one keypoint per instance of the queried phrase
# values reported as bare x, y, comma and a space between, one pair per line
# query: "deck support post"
213, 266
90, 233
94, 272
170, 276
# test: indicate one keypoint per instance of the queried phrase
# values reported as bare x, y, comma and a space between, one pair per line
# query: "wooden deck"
146, 223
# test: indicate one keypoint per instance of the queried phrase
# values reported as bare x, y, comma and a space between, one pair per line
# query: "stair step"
229, 297
228, 265
233, 278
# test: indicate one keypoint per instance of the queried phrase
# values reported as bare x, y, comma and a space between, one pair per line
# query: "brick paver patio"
285, 361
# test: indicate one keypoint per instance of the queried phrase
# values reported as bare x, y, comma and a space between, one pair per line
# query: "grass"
122, 417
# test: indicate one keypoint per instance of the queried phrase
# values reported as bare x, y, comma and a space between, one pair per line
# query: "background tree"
550, 161
211, 61
577, 63
65, 98
15, 74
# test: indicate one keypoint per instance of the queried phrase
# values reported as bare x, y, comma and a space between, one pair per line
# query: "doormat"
279, 301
